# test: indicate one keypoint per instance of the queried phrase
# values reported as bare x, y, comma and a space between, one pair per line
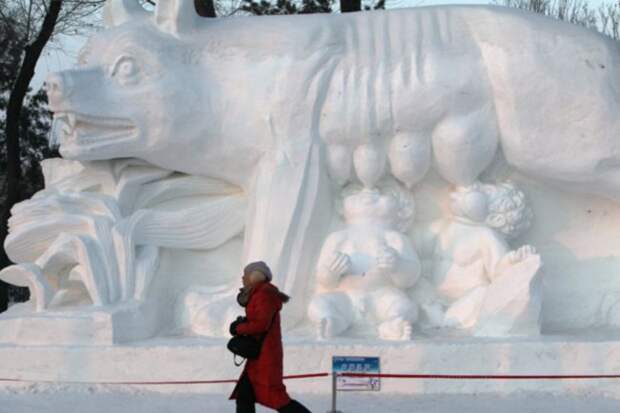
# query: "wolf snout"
58, 88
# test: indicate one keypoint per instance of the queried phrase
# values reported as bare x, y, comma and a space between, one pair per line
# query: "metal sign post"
353, 364
334, 391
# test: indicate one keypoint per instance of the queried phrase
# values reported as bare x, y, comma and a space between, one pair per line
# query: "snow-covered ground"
45, 398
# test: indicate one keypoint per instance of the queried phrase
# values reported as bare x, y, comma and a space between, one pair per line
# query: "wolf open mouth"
75, 128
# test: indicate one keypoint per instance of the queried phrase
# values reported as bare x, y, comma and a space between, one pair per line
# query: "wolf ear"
117, 12
176, 16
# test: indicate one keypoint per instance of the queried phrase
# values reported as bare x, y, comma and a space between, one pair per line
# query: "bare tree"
27, 16
350, 5
605, 18
205, 8
609, 20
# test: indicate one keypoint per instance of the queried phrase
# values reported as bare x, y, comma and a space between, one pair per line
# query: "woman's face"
245, 280
252, 278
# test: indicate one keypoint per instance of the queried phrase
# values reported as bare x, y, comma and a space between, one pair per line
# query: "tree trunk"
13, 115
350, 5
205, 8
4, 296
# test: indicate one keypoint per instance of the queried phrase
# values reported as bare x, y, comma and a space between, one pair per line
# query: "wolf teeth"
67, 126
100, 121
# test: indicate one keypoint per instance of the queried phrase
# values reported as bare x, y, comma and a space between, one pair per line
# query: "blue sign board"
346, 364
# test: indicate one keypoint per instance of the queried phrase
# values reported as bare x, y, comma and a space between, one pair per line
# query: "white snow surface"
52, 398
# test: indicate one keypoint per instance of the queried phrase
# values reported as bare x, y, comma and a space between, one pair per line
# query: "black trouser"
246, 400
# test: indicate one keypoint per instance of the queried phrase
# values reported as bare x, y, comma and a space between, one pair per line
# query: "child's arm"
405, 263
332, 263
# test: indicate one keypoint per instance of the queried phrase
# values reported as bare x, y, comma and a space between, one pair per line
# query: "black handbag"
246, 347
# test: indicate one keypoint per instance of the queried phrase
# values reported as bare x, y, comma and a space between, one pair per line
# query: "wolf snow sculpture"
271, 104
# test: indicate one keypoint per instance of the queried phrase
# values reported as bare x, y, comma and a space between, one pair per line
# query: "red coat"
265, 373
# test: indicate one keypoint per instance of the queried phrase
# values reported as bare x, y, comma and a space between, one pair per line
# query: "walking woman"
261, 379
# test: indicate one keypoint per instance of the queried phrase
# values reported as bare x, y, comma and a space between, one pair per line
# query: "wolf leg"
289, 213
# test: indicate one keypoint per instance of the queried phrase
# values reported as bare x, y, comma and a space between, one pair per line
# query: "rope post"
334, 391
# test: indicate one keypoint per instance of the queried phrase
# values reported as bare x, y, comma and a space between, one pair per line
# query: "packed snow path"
39, 398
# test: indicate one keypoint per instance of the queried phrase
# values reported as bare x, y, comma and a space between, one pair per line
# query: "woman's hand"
233, 326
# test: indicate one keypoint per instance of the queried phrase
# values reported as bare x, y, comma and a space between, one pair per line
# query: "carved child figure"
483, 284
364, 268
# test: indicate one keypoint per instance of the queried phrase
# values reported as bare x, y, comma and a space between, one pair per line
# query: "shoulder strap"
235, 360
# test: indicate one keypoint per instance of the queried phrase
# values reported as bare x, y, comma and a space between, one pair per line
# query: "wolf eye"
126, 70
82, 60
84, 54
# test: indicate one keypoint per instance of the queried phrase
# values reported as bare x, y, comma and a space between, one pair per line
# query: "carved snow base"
207, 359
92, 326
208, 312
517, 313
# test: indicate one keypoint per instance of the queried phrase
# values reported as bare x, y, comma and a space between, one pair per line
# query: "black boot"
243, 406
294, 407
245, 396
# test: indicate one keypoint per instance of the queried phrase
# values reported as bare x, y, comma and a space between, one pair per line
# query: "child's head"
509, 212
390, 205
501, 206
471, 203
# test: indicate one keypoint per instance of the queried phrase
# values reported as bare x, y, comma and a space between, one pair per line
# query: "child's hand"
522, 253
387, 259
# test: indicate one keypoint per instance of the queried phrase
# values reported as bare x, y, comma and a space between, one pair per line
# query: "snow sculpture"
88, 244
268, 93
483, 284
363, 270
280, 113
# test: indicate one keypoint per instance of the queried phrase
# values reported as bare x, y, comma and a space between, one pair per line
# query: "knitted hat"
259, 266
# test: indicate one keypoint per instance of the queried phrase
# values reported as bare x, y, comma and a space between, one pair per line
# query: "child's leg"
331, 313
396, 314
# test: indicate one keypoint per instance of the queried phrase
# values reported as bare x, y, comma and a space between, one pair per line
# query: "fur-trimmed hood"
243, 298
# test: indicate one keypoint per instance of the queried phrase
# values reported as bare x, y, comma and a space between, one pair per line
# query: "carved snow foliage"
92, 236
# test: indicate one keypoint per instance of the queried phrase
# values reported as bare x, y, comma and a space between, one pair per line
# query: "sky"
64, 56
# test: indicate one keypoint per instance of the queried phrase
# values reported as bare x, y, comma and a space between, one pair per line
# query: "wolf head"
133, 85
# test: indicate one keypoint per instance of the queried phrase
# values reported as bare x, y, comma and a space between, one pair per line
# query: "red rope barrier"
482, 377
387, 376
159, 383
304, 376
291, 377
